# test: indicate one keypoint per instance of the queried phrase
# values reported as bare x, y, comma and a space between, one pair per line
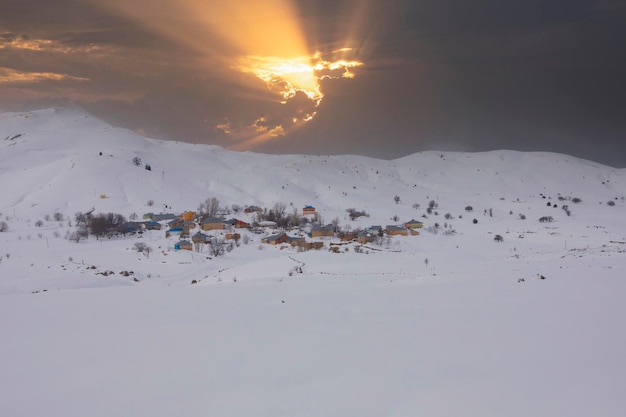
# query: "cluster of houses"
186, 223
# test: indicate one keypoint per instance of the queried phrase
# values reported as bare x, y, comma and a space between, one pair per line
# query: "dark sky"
547, 75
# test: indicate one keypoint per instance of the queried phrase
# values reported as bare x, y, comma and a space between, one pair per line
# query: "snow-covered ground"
437, 324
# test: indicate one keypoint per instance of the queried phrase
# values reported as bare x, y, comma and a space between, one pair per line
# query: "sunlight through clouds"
267, 40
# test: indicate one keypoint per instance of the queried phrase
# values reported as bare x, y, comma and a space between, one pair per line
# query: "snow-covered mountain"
449, 323
63, 160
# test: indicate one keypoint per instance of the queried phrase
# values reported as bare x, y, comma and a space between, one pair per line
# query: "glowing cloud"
11, 76
43, 45
286, 76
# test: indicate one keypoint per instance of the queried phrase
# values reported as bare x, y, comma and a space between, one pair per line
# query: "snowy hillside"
488, 311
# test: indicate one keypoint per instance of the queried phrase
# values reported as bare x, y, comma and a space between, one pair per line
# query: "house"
180, 225
129, 227
232, 236
240, 224
414, 224
189, 216
183, 245
321, 231
374, 231
295, 240
199, 237
366, 237
308, 210
213, 223
152, 225
275, 239
349, 237
252, 209
396, 231
268, 223
302, 243
159, 217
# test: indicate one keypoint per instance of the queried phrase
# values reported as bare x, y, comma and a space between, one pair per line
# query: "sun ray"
264, 39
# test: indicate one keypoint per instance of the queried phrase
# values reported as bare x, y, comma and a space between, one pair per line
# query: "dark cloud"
451, 74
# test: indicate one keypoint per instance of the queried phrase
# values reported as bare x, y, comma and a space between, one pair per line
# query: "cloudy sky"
377, 78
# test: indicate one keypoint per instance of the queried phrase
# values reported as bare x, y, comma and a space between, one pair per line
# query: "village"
304, 230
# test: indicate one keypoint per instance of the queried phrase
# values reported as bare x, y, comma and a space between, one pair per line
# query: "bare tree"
279, 209
209, 207
216, 246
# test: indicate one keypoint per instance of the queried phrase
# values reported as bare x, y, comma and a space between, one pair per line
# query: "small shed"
396, 231
323, 231
183, 245
414, 224
199, 237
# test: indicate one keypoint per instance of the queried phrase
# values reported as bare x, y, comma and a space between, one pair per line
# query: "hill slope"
447, 323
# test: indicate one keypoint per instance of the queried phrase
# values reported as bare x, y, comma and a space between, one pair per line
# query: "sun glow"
287, 76
273, 40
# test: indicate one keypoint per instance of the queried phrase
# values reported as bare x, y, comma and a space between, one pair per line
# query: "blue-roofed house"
183, 245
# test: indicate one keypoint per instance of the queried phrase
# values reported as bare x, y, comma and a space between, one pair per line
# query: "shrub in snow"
140, 246
546, 219
136, 161
105, 224
80, 234
610, 203
498, 238
38, 223
576, 200
469, 209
